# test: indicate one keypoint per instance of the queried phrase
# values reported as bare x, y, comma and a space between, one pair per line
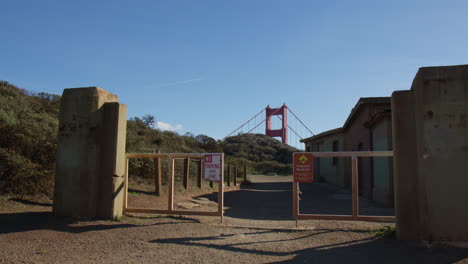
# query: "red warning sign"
303, 167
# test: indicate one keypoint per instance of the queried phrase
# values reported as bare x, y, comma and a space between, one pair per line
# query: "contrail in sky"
179, 82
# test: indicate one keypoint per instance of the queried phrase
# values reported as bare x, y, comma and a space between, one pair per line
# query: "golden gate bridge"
277, 124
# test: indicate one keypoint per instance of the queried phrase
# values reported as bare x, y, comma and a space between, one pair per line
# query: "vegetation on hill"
28, 143
28, 128
262, 153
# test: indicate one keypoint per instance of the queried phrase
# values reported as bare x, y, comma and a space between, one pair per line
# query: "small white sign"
212, 167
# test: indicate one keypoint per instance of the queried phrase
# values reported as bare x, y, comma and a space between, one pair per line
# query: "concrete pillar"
405, 166
89, 179
430, 138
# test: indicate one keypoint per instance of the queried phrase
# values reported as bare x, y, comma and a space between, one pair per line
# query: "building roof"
323, 134
379, 115
365, 101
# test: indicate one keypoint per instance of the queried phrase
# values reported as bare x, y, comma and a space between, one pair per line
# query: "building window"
335, 149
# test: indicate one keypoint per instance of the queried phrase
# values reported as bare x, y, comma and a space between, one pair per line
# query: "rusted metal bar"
352, 154
158, 176
355, 185
186, 173
235, 175
229, 175
200, 174
170, 200
166, 155
221, 190
368, 218
296, 200
245, 173
175, 212
125, 205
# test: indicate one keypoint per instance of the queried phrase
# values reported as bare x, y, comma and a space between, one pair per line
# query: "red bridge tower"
283, 132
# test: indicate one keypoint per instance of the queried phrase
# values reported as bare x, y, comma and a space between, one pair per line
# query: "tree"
149, 120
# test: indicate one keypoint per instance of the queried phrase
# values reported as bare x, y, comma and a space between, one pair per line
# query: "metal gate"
354, 155
170, 206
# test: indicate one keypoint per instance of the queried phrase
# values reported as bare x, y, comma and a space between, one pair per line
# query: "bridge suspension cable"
246, 123
300, 121
280, 118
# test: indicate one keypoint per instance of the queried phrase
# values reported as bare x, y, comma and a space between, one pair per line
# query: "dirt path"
257, 229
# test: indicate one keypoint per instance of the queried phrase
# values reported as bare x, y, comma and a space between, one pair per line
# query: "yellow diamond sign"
303, 159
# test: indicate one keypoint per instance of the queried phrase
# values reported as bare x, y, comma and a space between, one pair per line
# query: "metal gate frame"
355, 189
170, 206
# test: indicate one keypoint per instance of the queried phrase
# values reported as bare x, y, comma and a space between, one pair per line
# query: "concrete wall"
382, 166
91, 154
430, 138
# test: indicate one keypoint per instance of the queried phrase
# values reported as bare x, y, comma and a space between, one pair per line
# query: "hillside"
29, 123
264, 154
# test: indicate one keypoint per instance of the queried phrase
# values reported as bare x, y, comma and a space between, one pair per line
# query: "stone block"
91, 154
430, 135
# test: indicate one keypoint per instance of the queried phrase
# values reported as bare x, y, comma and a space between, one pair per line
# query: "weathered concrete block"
431, 153
91, 154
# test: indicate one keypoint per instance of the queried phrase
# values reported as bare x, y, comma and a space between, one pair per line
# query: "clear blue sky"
208, 66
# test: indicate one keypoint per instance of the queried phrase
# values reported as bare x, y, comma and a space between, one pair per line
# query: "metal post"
355, 185
229, 176
296, 201
126, 185
235, 175
221, 190
200, 173
186, 173
158, 176
170, 201
245, 173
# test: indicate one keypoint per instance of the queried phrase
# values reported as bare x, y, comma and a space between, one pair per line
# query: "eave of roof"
323, 134
363, 101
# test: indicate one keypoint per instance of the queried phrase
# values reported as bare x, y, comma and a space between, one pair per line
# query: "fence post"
200, 173
235, 175
186, 173
229, 175
355, 185
245, 173
170, 200
158, 180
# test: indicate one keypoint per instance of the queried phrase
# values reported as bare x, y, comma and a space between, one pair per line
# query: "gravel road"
257, 228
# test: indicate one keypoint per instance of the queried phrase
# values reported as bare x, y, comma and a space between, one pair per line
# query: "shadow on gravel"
260, 201
28, 202
377, 251
369, 250
141, 192
20, 222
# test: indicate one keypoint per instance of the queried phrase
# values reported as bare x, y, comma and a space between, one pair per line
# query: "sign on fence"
303, 167
212, 167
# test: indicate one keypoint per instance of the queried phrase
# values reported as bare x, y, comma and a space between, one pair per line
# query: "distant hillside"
265, 154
